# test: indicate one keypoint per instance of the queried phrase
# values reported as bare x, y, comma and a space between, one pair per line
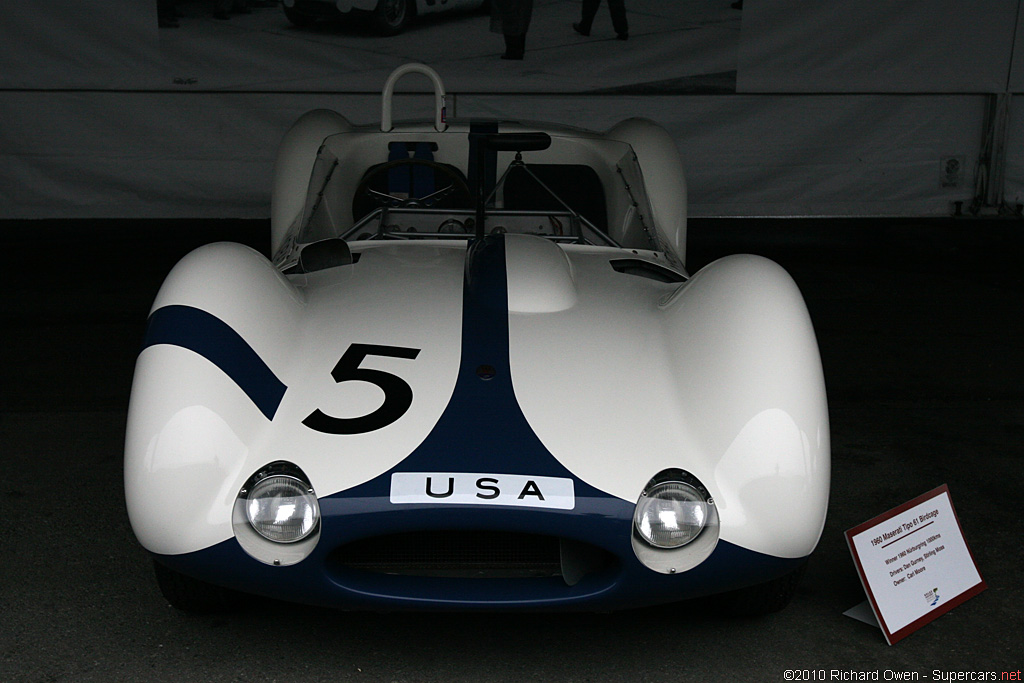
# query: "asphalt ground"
920, 327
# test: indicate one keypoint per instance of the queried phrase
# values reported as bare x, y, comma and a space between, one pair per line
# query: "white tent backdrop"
1014, 189
891, 46
1017, 62
103, 44
782, 109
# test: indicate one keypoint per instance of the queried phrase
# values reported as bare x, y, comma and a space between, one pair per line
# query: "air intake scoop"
540, 277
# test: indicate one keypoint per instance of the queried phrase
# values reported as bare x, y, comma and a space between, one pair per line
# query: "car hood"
510, 355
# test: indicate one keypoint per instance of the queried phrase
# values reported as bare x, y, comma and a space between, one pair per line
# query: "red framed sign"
914, 563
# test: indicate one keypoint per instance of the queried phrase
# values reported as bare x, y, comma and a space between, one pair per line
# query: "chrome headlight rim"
681, 558
266, 549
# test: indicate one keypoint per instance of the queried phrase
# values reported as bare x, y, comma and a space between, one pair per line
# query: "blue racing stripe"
482, 429
214, 340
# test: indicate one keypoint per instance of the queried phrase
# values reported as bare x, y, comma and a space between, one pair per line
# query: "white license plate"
462, 488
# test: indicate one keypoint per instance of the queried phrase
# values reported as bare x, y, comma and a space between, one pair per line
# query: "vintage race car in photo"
475, 374
388, 17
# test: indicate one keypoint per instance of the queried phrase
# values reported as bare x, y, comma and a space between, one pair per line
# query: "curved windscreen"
581, 189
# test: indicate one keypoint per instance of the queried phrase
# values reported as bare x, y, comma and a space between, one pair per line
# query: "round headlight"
282, 508
670, 514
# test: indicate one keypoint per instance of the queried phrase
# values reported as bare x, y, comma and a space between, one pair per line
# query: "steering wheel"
456, 187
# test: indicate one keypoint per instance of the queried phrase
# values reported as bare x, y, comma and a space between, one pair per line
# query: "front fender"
719, 376
205, 390
747, 361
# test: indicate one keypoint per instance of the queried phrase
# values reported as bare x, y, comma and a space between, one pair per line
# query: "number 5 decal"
397, 392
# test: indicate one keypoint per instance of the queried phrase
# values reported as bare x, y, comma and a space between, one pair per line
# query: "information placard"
914, 563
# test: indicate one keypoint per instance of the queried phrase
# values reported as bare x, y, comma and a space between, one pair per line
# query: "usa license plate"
463, 488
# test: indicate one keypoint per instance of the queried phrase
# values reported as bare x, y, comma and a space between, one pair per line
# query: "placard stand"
914, 563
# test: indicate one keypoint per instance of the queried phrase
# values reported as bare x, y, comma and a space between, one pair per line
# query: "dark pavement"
920, 326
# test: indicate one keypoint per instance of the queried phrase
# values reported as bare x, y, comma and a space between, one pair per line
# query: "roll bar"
389, 91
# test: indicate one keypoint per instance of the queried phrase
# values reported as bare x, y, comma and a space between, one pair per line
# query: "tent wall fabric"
852, 107
60, 44
1014, 192
1017, 57
211, 155
891, 46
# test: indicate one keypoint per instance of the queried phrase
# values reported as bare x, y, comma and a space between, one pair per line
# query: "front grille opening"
472, 555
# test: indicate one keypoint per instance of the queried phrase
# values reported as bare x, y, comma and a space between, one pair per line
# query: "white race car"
388, 17
476, 374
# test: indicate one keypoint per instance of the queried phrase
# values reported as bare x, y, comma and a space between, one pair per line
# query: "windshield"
586, 190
